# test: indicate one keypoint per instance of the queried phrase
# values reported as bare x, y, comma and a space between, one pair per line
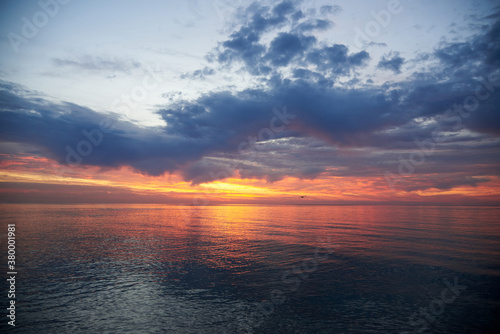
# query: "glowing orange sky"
36, 179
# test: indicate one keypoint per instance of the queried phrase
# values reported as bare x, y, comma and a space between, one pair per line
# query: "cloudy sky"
207, 102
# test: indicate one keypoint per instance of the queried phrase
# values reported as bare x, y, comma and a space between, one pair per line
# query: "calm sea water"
254, 269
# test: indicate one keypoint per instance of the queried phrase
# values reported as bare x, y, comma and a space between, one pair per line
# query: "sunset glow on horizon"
35, 179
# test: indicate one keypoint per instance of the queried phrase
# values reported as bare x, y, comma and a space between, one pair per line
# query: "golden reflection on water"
152, 268
225, 236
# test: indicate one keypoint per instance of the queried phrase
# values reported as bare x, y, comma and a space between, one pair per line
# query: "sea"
121, 268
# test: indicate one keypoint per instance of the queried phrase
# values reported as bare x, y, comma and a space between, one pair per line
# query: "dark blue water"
253, 269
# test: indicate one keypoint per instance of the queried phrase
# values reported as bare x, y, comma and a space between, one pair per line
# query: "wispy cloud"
97, 64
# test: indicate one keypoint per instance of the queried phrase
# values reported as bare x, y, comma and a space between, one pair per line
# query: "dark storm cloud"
216, 122
465, 56
245, 45
286, 47
55, 127
221, 121
391, 61
335, 60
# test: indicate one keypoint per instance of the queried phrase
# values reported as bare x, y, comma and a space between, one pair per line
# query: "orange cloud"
36, 179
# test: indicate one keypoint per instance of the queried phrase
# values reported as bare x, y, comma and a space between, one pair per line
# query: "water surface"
258, 269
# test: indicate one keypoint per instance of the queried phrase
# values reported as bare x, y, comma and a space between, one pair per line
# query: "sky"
268, 102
